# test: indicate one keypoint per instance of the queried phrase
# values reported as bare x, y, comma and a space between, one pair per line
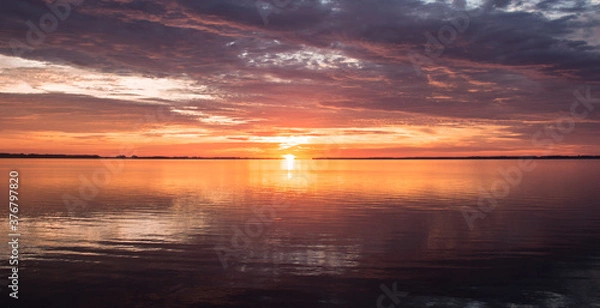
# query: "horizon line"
96, 156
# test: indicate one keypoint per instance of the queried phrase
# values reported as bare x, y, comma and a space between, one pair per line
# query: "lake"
305, 233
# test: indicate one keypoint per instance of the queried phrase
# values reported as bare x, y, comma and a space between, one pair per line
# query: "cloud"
230, 69
35, 77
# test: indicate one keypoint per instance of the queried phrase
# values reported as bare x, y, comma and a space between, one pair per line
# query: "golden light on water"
289, 161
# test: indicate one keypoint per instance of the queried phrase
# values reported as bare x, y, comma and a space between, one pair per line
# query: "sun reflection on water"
289, 163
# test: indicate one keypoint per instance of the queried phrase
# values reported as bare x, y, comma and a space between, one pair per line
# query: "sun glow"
289, 162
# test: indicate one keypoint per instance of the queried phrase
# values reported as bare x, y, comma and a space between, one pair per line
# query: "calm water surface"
267, 233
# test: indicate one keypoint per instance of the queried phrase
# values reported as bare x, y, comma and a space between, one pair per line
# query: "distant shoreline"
462, 157
67, 156
83, 156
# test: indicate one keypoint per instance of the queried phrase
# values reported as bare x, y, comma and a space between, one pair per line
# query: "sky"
311, 78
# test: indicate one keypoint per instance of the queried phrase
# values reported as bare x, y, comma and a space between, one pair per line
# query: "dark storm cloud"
170, 30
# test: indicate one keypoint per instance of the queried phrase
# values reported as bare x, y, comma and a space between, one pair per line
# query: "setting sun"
289, 157
289, 162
